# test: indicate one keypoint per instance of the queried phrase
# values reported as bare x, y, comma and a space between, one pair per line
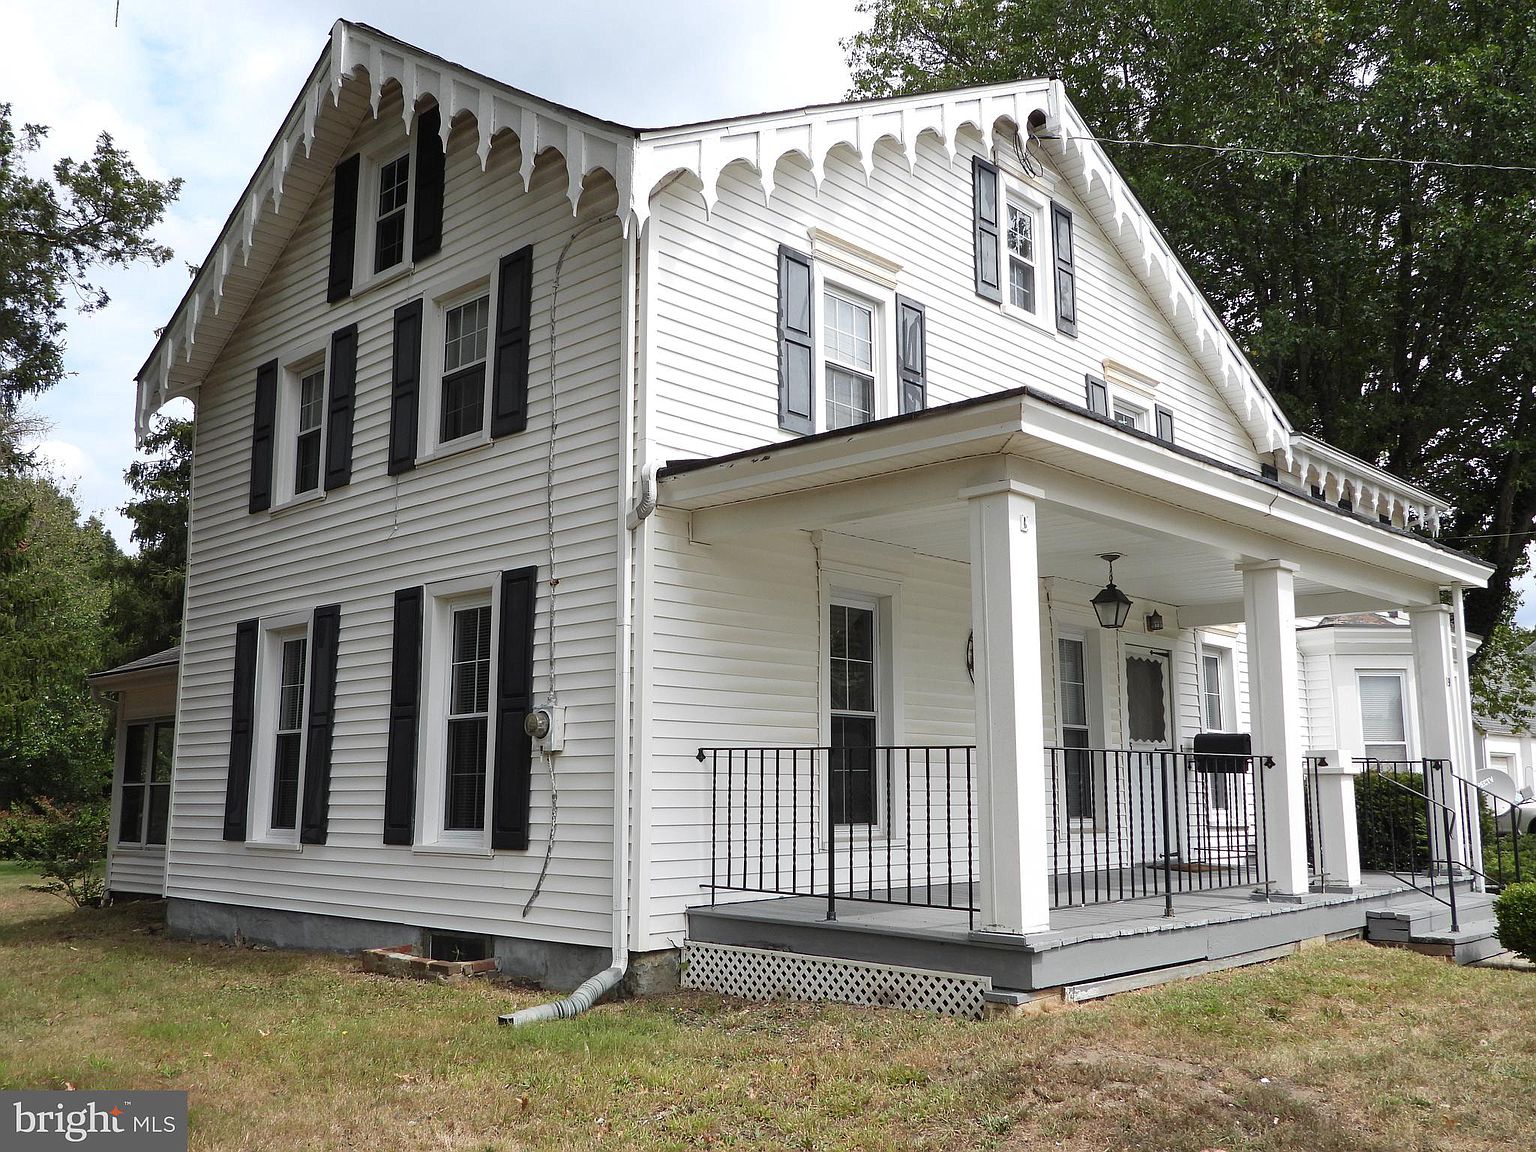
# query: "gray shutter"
405, 388
912, 354
513, 782
341, 389
509, 375
324, 634
1066, 269
427, 196
797, 308
242, 712
985, 212
343, 229
1164, 424
1097, 395
404, 718
263, 433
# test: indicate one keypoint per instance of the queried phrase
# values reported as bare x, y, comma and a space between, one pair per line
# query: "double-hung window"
1213, 712
466, 334
391, 217
144, 793
854, 667
1382, 723
848, 348
288, 737
1072, 694
309, 432
1022, 262
468, 718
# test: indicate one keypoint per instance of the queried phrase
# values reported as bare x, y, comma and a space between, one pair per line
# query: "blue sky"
197, 90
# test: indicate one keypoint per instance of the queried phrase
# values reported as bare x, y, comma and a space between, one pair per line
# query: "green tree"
144, 614
53, 235
1503, 682
1387, 305
54, 739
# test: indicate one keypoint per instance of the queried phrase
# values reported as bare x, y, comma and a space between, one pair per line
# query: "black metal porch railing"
1405, 831
1127, 824
887, 825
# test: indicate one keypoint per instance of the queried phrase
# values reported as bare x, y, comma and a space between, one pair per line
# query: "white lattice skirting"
762, 974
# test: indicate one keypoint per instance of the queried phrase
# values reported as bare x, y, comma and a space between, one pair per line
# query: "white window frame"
1218, 791
880, 299
304, 361
153, 724
371, 167
274, 631
437, 304
1127, 413
1405, 685
1015, 193
1093, 708
850, 585
442, 598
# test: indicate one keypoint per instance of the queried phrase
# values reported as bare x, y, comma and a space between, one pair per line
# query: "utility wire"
1283, 152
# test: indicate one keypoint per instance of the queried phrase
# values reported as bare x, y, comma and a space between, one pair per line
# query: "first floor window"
466, 329
854, 668
1072, 675
848, 346
144, 806
1381, 716
469, 706
288, 747
311, 415
389, 225
1219, 785
1021, 257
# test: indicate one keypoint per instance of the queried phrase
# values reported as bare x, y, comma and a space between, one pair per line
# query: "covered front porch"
1083, 774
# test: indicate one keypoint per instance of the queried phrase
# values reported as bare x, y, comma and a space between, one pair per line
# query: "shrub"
68, 844
1391, 822
1515, 910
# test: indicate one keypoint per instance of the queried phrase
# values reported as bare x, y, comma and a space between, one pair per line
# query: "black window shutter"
1164, 424
427, 226
341, 390
242, 712
1066, 269
514, 306
1098, 395
984, 200
912, 353
514, 699
263, 431
404, 719
343, 230
797, 308
324, 632
405, 388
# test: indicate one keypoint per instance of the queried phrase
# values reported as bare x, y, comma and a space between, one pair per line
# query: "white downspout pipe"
594, 989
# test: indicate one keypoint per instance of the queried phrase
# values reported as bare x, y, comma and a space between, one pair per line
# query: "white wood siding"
466, 515
716, 358
137, 868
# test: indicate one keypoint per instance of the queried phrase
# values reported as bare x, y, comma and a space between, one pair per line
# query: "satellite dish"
1500, 784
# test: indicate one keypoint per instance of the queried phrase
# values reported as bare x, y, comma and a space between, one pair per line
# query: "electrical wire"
1282, 153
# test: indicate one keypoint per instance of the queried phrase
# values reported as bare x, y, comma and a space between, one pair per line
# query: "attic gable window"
394, 197
849, 348
1021, 256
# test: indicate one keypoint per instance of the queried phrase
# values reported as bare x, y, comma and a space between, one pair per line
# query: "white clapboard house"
765, 468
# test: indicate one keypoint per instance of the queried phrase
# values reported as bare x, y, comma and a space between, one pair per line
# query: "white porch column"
1269, 610
1434, 672
1338, 834
1010, 736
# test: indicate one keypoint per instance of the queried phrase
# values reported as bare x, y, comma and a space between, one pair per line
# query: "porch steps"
1424, 925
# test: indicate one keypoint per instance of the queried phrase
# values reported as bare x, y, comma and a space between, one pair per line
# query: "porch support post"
1010, 743
1269, 609
1435, 682
1338, 833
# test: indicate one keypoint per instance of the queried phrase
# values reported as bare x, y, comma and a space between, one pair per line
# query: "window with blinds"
1382, 724
1072, 697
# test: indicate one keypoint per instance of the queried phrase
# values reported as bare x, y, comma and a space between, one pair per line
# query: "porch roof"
1081, 461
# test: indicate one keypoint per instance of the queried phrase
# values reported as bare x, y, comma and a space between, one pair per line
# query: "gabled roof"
361, 61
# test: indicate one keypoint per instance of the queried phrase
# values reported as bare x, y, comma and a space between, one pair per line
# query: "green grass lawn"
1346, 1047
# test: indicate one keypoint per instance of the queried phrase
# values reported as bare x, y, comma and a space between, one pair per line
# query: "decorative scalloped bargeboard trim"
763, 974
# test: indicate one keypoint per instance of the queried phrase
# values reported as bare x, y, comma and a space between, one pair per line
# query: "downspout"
594, 989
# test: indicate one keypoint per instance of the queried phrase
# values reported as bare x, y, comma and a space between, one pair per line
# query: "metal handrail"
1448, 828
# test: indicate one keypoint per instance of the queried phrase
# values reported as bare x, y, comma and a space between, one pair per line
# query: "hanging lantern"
1111, 605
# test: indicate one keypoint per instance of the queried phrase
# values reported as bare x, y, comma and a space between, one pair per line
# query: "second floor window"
465, 333
390, 222
311, 416
849, 350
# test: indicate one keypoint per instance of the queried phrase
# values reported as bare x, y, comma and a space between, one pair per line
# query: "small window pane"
165, 740
290, 709
131, 815
135, 753
1074, 685
159, 813
285, 780
463, 403
1021, 233
465, 807
1021, 285
850, 398
464, 333
1211, 672
849, 333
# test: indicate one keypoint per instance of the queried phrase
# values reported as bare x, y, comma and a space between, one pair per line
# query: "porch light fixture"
1154, 621
1111, 605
